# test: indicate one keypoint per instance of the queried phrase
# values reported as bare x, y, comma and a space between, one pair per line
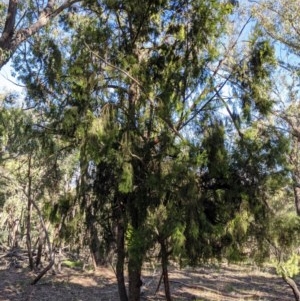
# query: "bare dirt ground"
223, 283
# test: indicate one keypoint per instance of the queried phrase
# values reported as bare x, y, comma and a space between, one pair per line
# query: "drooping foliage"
128, 101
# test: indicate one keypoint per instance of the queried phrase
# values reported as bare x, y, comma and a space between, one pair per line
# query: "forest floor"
209, 283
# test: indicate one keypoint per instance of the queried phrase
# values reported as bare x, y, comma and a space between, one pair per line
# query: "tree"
22, 20
34, 161
279, 22
136, 87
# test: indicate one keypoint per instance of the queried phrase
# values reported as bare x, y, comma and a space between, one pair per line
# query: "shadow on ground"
225, 283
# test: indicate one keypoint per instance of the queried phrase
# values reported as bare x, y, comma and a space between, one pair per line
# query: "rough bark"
164, 263
134, 277
10, 21
11, 39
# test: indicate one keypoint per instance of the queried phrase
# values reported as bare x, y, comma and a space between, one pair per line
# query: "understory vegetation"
151, 131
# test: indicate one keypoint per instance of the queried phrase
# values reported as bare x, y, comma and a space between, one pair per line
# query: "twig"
113, 66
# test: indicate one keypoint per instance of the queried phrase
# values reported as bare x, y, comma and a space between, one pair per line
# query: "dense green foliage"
149, 127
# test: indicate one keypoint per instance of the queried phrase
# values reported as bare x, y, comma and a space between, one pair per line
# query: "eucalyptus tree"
22, 19
279, 22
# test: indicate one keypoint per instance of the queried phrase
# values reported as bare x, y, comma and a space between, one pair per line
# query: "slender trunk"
13, 226
28, 234
51, 263
29, 213
292, 284
135, 257
134, 275
164, 264
295, 161
41, 242
121, 260
159, 283
297, 198
59, 259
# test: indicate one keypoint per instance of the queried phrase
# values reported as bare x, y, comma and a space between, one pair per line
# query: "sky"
7, 81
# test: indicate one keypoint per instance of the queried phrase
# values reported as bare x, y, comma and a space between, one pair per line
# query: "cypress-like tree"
136, 88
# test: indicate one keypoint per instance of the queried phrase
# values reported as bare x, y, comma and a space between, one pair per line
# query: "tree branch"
11, 40
9, 22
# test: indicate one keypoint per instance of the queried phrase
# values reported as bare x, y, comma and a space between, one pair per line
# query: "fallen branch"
43, 272
201, 287
13, 253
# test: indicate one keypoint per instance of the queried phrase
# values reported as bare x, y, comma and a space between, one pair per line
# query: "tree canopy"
151, 127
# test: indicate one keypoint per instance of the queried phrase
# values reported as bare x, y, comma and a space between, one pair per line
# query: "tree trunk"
134, 275
164, 264
295, 161
41, 242
95, 244
292, 284
297, 198
159, 283
13, 228
52, 259
28, 234
29, 213
121, 260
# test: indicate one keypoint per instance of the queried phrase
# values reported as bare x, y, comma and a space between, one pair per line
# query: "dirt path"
226, 283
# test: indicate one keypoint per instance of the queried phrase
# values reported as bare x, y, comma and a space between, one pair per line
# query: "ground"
209, 283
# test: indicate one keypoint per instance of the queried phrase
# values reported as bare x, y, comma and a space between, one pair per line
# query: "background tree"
22, 20
280, 23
